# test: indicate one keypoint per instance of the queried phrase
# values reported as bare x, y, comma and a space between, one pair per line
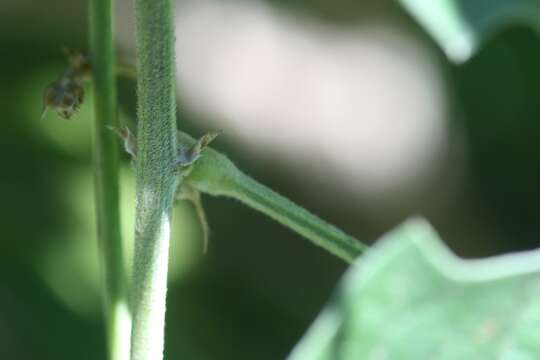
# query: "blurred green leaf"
460, 25
409, 298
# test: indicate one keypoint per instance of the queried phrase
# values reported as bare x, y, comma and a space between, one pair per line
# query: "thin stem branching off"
216, 175
117, 317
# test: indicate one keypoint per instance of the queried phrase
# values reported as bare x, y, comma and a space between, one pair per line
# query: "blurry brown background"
347, 107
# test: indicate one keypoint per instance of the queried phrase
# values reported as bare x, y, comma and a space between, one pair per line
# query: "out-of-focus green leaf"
409, 298
460, 25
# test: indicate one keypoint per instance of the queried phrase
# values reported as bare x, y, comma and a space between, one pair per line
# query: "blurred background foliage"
260, 286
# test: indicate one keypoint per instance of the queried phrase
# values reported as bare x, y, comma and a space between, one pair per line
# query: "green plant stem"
156, 178
272, 204
215, 174
116, 308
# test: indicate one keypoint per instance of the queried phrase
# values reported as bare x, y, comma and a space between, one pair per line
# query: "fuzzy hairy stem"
155, 174
116, 308
284, 211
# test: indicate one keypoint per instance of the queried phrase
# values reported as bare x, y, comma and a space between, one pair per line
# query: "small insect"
130, 142
66, 94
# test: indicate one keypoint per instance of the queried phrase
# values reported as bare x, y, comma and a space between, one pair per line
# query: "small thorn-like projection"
130, 142
187, 156
186, 192
44, 112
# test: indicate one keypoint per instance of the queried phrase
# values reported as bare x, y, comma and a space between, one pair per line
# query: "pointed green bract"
408, 297
460, 26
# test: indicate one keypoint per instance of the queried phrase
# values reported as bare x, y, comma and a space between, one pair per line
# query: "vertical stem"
116, 310
155, 174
